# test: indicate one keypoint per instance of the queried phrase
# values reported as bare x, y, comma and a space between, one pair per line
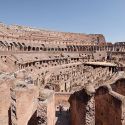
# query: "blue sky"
85, 16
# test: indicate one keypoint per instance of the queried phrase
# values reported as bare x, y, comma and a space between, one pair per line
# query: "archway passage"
119, 86
107, 108
78, 102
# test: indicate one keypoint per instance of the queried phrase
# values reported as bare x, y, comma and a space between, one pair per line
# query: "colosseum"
60, 78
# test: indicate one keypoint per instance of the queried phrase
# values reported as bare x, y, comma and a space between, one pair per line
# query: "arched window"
62, 49
29, 48
41, 48
25, 48
37, 48
52, 49
33, 48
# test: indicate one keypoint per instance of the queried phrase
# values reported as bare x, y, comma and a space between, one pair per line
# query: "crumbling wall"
46, 108
5, 100
107, 108
119, 86
23, 105
62, 98
78, 102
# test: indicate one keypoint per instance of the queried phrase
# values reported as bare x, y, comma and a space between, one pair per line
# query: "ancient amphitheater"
58, 78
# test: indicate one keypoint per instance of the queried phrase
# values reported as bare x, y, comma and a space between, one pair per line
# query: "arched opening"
78, 48
52, 49
33, 48
11, 46
25, 48
37, 48
41, 48
62, 49
117, 49
65, 49
78, 102
59, 49
44, 49
29, 48
20, 46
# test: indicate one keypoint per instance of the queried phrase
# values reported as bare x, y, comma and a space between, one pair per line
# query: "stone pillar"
4, 102
123, 112
23, 104
42, 113
90, 112
46, 108
23, 100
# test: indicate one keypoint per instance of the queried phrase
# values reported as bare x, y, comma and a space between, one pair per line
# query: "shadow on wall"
9, 117
63, 117
33, 119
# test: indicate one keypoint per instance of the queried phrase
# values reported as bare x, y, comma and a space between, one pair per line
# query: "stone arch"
68, 48
29, 48
78, 102
80, 48
107, 108
71, 48
41, 48
20, 46
59, 49
44, 49
65, 49
11, 45
117, 49
74, 48
37, 48
62, 49
15, 44
52, 49
33, 48
119, 86
25, 48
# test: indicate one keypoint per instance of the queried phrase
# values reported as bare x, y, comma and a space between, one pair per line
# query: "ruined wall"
100, 38
78, 102
46, 108
119, 86
100, 55
55, 60
107, 108
5, 100
22, 33
51, 110
62, 98
23, 105
103, 107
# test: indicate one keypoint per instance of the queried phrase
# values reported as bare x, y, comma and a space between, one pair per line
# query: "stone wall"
104, 107
119, 86
23, 104
5, 101
46, 108
78, 102
64, 63
62, 98
107, 108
